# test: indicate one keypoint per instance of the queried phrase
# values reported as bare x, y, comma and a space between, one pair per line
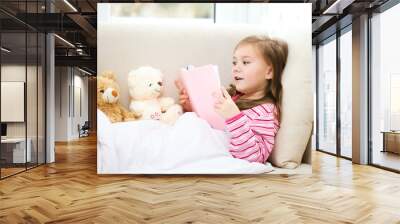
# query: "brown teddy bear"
108, 96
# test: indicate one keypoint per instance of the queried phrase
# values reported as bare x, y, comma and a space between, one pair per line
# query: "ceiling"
76, 22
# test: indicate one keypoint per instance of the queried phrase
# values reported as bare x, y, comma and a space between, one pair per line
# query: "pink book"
200, 83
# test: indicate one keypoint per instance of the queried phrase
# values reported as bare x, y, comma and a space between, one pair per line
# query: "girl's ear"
269, 73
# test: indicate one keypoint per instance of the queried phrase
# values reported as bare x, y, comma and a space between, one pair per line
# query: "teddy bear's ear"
109, 74
132, 78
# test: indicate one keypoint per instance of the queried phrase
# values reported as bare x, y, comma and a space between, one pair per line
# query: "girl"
252, 108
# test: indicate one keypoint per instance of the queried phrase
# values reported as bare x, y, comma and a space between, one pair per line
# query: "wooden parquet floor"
70, 191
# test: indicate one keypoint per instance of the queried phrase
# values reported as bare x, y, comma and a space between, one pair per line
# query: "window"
385, 89
157, 12
327, 96
260, 13
394, 102
346, 94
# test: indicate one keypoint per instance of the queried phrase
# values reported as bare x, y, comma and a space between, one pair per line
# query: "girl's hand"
224, 104
183, 96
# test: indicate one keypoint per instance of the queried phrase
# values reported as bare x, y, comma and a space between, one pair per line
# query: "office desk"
13, 150
391, 141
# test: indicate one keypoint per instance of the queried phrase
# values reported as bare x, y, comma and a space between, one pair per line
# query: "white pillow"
297, 108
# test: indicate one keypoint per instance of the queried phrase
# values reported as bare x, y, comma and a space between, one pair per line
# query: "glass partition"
327, 96
13, 95
22, 90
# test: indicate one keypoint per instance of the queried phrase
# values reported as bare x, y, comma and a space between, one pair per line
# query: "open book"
200, 83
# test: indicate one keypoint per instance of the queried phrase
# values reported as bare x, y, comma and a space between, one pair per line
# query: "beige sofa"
123, 47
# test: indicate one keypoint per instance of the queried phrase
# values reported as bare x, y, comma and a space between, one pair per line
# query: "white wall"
276, 18
62, 81
79, 117
14, 73
69, 82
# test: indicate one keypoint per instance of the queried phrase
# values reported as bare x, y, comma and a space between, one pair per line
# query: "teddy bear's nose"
160, 83
114, 93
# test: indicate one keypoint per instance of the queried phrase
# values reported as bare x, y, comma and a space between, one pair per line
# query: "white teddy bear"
145, 88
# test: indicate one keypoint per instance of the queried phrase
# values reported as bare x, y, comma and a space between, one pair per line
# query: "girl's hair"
275, 53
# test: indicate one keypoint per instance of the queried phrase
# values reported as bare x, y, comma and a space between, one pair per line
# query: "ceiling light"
5, 49
84, 71
64, 40
71, 6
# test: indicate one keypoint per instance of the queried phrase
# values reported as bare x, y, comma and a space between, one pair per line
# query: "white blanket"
190, 146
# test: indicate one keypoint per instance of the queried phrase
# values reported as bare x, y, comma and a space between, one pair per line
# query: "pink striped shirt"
253, 132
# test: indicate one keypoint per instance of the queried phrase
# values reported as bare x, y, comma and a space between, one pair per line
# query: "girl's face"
250, 71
